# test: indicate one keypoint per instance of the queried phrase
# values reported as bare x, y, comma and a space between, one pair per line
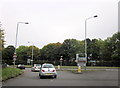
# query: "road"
66, 78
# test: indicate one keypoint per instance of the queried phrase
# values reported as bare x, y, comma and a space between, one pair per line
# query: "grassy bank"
7, 73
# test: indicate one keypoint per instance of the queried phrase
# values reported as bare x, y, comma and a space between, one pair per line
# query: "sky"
52, 21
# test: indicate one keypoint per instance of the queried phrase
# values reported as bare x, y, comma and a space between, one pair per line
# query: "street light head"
26, 23
95, 16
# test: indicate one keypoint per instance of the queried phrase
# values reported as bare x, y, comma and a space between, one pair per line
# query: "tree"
22, 54
95, 49
8, 54
70, 48
1, 39
51, 52
25, 52
115, 43
36, 52
1, 43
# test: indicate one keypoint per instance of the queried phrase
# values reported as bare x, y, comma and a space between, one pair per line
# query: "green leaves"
8, 54
1, 39
107, 50
25, 52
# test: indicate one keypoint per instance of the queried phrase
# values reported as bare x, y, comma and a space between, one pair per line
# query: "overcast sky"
52, 21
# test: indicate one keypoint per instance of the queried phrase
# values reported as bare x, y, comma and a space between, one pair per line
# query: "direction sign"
14, 56
14, 59
61, 59
28, 60
81, 61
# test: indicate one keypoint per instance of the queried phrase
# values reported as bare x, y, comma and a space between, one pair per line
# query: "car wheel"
55, 76
41, 77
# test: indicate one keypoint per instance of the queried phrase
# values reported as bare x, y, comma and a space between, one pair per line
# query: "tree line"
103, 52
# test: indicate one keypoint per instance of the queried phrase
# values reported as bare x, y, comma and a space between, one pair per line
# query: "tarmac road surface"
66, 78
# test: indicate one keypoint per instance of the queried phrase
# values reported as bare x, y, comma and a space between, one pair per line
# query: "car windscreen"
38, 65
48, 66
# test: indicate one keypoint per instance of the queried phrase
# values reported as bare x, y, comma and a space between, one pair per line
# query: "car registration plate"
49, 74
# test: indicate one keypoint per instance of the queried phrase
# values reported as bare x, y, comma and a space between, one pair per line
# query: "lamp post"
86, 35
15, 56
32, 53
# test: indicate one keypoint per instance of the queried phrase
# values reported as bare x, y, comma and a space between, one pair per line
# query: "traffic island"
82, 71
76, 71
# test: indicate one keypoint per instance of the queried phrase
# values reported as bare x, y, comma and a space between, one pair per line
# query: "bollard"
58, 67
79, 69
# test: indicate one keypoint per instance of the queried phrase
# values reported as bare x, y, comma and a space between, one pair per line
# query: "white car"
48, 70
36, 67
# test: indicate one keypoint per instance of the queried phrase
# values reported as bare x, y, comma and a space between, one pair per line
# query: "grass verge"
88, 67
8, 73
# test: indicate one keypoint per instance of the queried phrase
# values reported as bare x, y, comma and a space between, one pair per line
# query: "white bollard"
58, 67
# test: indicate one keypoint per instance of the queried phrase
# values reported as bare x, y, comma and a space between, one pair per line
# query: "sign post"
31, 62
14, 59
28, 61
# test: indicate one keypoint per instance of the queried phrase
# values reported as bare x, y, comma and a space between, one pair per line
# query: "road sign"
14, 56
14, 59
61, 59
81, 61
28, 60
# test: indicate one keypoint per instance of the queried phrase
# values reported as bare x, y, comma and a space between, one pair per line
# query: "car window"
48, 66
37, 64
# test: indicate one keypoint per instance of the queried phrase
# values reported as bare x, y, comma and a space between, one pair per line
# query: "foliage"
104, 52
8, 54
70, 48
51, 52
25, 52
1, 43
1, 39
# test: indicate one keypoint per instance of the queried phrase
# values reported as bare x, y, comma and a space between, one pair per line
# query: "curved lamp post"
86, 34
15, 56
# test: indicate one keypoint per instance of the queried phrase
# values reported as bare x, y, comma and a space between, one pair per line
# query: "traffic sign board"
14, 56
61, 59
14, 59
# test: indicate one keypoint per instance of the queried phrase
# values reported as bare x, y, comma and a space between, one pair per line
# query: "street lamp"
32, 53
86, 34
15, 56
